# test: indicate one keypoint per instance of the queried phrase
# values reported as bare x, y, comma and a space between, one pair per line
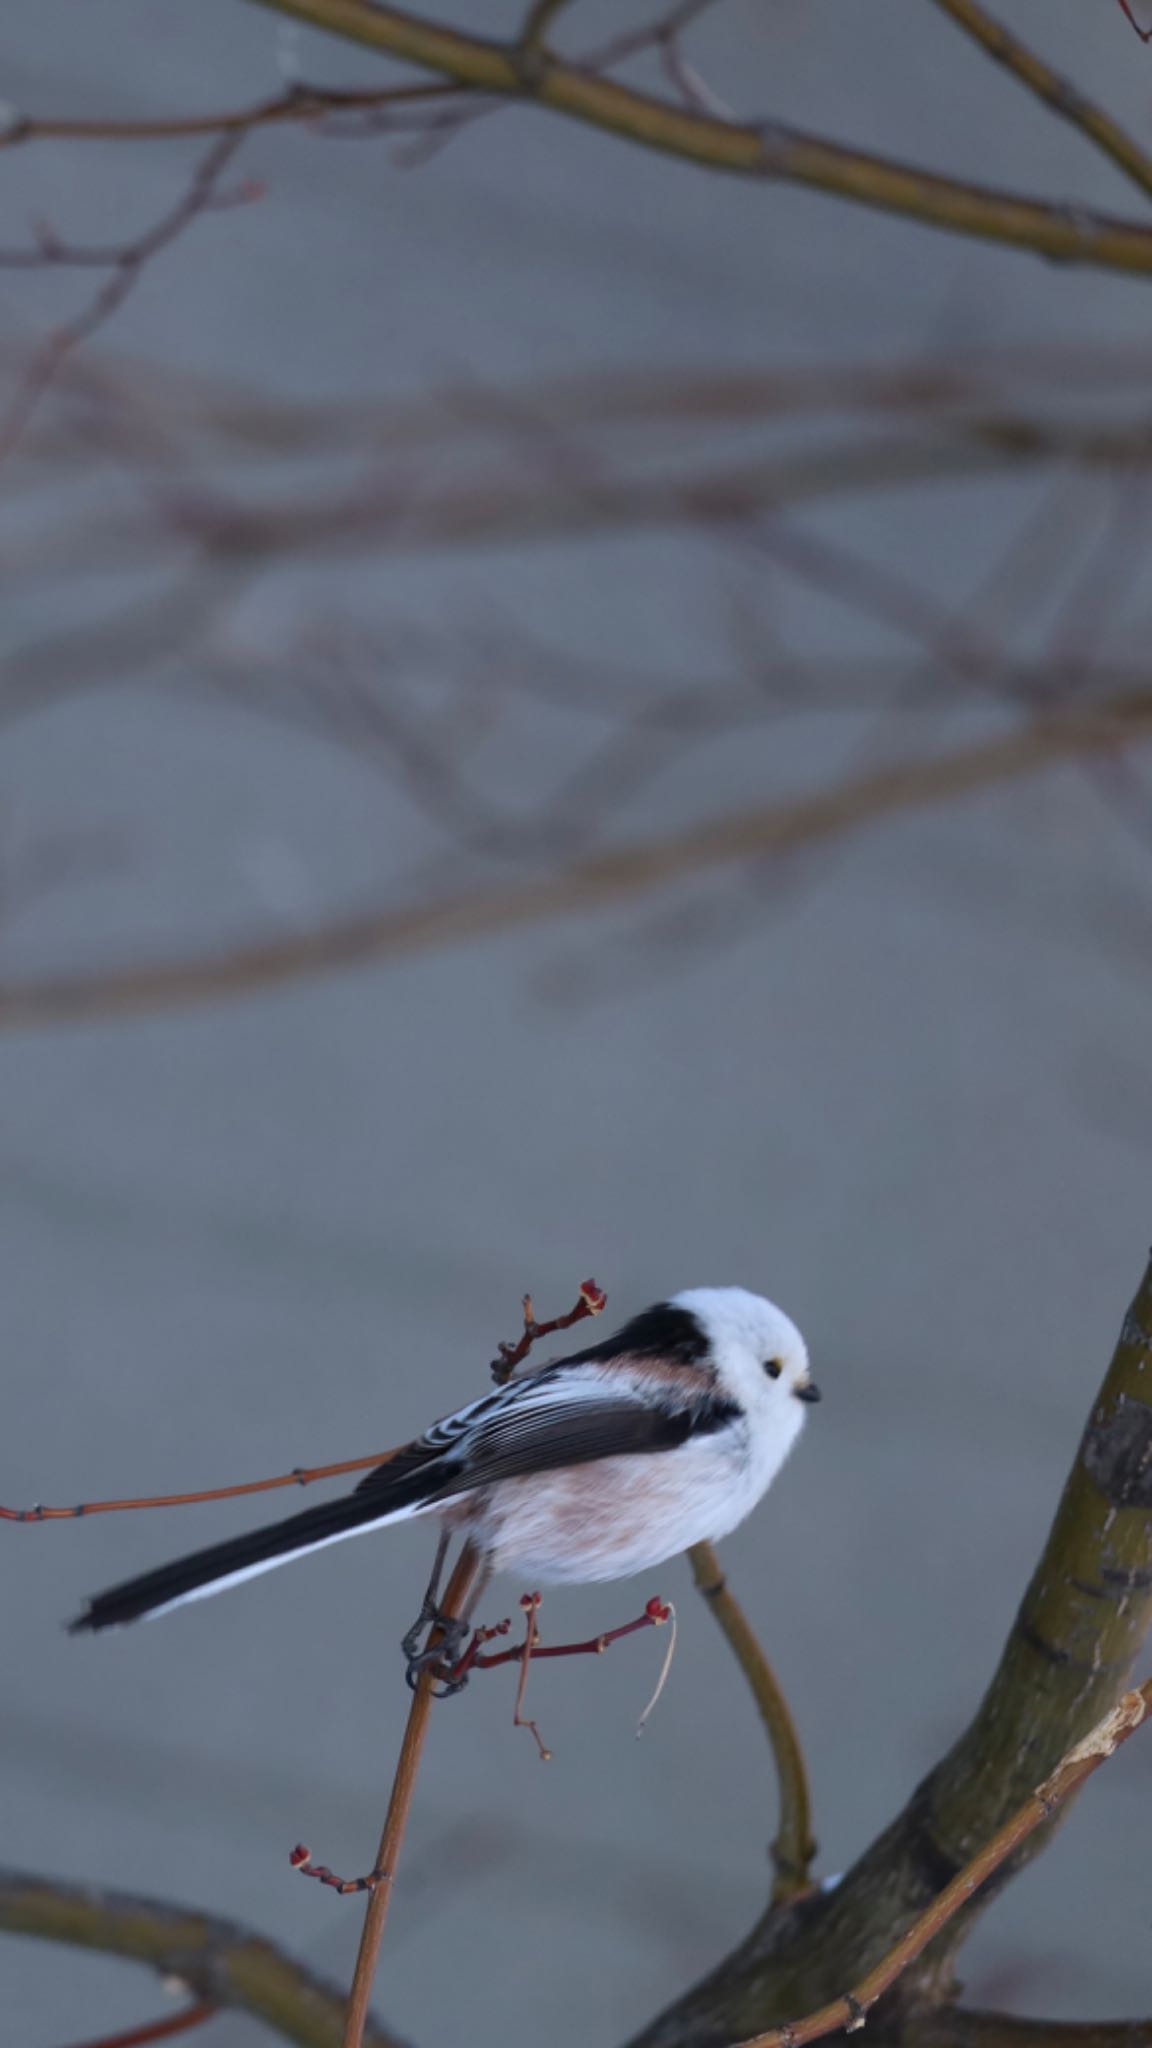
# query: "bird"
590, 1467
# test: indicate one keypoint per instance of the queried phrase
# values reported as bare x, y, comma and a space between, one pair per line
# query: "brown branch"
265, 425
1057, 92
793, 1849
847, 2013
399, 1807
301, 103
612, 876
157, 2030
765, 150
301, 1475
221, 1963
506, 508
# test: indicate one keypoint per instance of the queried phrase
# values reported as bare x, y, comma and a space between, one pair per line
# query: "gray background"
912, 1101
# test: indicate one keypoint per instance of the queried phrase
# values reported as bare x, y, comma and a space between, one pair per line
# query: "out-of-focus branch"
508, 508
1081, 1622
124, 265
606, 878
767, 150
1058, 93
218, 1961
260, 424
793, 1849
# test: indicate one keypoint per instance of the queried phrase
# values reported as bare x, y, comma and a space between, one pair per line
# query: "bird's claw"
439, 1658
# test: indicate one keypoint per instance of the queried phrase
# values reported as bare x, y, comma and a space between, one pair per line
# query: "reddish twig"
157, 2030
301, 1475
476, 1658
124, 265
1145, 34
848, 2012
591, 1303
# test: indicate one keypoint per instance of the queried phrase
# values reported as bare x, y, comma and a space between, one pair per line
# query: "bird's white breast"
616, 1516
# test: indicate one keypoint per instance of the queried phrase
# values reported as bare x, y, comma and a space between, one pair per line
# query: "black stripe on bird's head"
665, 1331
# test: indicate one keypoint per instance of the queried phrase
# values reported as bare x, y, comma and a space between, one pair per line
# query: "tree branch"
220, 1962
793, 1849
1081, 1622
766, 150
847, 2012
1057, 93
396, 1823
605, 878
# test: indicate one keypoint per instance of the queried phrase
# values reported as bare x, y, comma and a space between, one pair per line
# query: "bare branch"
125, 265
1057, 93
164, 2029
611, 876
766, 150
357, 2027
847, 2013
221, 1963
793, 1848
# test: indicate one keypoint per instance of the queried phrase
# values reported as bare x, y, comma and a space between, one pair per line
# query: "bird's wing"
559, 1416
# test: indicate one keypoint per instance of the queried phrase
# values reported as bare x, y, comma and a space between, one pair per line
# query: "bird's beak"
808, 1392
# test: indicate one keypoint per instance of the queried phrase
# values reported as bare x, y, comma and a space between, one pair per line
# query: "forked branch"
848, 2012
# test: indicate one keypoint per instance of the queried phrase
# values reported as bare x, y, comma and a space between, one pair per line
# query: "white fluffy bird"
595, 1466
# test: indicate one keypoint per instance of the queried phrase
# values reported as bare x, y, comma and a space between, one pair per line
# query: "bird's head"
757, 1352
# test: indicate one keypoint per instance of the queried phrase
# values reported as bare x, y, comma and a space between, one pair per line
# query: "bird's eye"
773, 1367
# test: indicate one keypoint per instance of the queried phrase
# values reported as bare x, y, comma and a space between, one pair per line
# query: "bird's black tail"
392, 1493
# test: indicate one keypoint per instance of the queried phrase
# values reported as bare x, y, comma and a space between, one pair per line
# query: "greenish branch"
1056, 92
222, 1964
767, 150
1080, 1624
793, 1849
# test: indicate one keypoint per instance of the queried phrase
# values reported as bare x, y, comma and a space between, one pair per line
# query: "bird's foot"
440, 1657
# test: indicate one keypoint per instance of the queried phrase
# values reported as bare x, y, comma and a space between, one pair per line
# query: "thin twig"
591, 1302
301, 103
303, 1475
157, 2030
125, 266
399, 1807
1145, 34
1057, 92
794, 1848
477, 1657
847, 2013
532, 40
